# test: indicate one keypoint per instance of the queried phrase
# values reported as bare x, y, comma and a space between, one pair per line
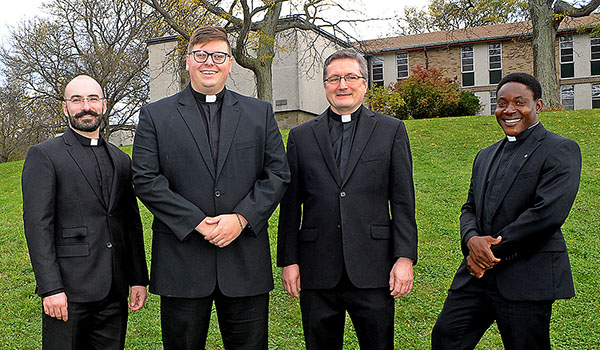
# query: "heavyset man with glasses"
210, 165
351, 169
83, 229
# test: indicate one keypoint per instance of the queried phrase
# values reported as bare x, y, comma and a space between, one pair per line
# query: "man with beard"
83, 229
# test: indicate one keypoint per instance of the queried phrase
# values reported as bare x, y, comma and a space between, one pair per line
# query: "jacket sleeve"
258, 205
135, 235
39, 194
290, 211
152, 187
468, 217
402, 197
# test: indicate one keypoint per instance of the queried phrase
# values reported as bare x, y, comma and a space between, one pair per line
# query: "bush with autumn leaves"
426, 93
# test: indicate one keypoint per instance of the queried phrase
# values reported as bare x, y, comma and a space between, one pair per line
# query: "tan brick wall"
517, 56
446, 58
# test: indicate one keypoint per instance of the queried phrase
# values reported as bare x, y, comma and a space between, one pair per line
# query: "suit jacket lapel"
188, 109
116, 184
364, 129
84, 163
320, 129
522, 155
230, 117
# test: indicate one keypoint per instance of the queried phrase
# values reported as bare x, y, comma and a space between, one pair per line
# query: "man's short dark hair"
526, 79
207, 34
347, 53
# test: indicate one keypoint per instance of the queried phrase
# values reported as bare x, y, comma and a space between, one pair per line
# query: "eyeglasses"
77, 100
201, 56
350, 79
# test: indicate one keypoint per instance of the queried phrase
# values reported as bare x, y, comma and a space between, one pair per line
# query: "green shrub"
426, 93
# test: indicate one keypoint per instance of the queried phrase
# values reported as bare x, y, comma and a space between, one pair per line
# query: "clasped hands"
223, 229
481, 258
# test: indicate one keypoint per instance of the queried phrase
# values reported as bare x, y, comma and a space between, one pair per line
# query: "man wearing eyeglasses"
83, 229
339, 248
210, 165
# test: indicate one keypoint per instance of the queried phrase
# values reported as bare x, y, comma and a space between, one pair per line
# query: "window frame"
407, 70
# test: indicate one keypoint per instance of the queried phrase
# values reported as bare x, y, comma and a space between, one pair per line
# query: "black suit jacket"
538, 191
326, 222
76, 242
175, 177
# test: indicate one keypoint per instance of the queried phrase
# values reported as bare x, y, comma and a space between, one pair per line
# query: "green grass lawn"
443, 152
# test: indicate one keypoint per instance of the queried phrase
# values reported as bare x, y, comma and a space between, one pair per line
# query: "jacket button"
343, 194
339, 226
217, 194
109, 245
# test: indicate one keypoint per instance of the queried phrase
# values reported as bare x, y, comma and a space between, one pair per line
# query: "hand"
138, 297
290, 275
56, 306
227, 229
401, 277
204, 228
481, 252
473, 268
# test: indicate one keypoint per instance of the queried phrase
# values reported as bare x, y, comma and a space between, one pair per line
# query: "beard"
85, 125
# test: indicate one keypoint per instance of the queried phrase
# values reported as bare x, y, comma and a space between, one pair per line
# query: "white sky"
14, 11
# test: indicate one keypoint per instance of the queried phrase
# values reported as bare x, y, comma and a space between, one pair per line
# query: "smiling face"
85, 117
208, 77
517, 109
345, 97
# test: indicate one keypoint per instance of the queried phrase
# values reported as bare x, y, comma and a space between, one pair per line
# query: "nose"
343, 84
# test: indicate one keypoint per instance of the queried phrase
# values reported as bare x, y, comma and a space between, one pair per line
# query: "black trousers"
98, 325
471, 310
324, 313
243, 321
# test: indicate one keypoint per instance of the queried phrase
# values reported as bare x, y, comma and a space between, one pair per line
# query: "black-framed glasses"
349, 78
77, 100
201, 56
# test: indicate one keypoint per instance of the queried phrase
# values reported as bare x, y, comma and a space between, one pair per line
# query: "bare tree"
546, 16
20, 126
105, 39
255, 27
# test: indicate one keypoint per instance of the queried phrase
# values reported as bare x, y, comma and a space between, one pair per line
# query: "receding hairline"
83, 78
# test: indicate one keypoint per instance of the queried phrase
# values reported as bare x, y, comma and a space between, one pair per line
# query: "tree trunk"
544, 53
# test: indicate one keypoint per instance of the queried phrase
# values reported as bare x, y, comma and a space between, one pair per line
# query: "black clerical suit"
523, 191
335, 223
84, 235
178, 179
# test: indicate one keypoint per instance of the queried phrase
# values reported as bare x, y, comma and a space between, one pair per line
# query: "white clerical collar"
93, 142
346, 118
514, 138
211, 98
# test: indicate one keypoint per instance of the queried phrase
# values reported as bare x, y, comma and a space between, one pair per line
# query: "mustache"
88, 112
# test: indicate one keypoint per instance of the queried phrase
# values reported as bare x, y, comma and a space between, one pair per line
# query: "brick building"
479, 57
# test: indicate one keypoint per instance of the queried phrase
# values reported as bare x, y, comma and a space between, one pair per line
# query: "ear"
64, 106
539, 105
187, 66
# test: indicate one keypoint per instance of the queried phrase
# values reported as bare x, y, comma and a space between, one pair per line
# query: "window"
377, 70
493, 104
567, 96
596, 95
595, 55
402, 64
467, 66
495, 62
567, 68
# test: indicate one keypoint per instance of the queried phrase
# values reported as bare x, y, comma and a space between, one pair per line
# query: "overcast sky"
14, 11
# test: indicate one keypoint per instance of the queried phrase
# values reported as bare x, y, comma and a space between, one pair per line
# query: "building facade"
477, 58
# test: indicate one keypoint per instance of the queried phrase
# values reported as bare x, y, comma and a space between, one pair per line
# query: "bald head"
83, 85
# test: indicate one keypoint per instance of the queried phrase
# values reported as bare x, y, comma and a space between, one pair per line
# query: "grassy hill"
443, 151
